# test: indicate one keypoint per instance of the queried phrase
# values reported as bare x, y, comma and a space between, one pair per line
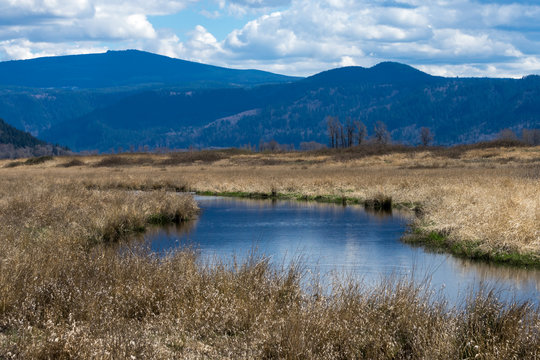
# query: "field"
66, 291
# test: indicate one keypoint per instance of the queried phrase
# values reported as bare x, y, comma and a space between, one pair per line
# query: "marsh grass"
13, 164
484, 195
439, 242
30, 161
65, 304
64, 294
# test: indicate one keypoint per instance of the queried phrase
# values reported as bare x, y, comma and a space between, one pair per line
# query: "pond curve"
335, 239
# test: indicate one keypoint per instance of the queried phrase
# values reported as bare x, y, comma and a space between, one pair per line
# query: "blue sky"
295, 37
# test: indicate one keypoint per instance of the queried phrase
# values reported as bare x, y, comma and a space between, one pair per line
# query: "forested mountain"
17, 138
456, 110
37, 94
35, 109
17, 143
129, 68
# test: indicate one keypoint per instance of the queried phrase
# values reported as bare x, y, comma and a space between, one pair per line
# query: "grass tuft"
74, 162
38, 160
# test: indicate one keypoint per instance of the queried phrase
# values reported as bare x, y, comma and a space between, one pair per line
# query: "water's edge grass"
383, 203
472, 250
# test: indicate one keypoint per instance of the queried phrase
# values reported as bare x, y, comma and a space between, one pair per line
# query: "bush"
38, 160
74, 162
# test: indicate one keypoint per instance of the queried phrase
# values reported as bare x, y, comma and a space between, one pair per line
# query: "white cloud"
147, 7
82, 20
30, 28
24, 49
347, 61
460, 37
465, 35
14, 11
260, 3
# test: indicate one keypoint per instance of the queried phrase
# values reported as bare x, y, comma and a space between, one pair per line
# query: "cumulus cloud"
299, 37
24, 49
82, 20
35, 11
31, 28
260, 3
241, 8
468, 36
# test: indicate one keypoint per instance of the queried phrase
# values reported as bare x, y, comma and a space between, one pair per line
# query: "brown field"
66, 293
486, 198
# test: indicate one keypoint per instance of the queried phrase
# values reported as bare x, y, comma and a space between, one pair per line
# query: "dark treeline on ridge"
15, 143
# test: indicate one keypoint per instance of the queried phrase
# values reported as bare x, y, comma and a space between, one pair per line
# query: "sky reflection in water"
333, 239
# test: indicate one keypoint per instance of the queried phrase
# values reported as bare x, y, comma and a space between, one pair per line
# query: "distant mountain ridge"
207, 110
384, 72
126, 68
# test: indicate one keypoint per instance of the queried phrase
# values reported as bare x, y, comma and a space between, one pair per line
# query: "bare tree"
349, 129
272, 146
331, 123
380, 133
361, 132
426, 137
311, 145
507, 134
531, 136
341, 133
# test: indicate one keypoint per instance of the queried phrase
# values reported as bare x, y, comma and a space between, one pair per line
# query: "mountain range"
136, 99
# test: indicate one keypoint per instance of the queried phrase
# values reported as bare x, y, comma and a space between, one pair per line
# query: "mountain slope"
385, 72
132, 98
126, 68
17, 138
36, 110
15, 143
456, 110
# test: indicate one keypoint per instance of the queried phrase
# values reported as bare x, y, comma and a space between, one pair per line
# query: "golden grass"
66, 294
489, 197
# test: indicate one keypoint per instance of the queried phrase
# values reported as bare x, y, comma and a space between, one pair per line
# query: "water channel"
335, 240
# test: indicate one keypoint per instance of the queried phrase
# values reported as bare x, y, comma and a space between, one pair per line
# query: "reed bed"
100, 305
67, 292
477, 202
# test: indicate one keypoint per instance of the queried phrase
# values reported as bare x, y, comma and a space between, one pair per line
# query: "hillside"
456, 111
19, 139
382, 73
136, 99
56, 89
16, 143
129, 68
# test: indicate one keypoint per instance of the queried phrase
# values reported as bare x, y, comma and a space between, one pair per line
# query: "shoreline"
416, 236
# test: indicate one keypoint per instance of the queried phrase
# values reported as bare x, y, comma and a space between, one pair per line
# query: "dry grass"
66, 294
489, 197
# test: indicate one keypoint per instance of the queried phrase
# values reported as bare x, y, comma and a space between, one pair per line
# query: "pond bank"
417, 235
332, 241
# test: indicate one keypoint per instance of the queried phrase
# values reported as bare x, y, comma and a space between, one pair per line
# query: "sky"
294, 37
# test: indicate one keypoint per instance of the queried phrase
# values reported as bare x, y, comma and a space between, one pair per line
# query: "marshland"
67, 292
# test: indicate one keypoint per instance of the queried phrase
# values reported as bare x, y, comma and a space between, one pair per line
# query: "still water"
333, 240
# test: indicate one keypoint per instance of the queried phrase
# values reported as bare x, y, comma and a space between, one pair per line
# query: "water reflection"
332, 239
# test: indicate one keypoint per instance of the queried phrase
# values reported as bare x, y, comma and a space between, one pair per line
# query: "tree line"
354, 132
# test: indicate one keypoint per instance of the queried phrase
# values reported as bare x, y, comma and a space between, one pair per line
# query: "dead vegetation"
65, 294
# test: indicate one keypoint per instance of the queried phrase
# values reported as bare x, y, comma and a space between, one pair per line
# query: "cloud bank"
297, 37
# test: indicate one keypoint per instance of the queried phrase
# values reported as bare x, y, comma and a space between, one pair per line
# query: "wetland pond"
334, 240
